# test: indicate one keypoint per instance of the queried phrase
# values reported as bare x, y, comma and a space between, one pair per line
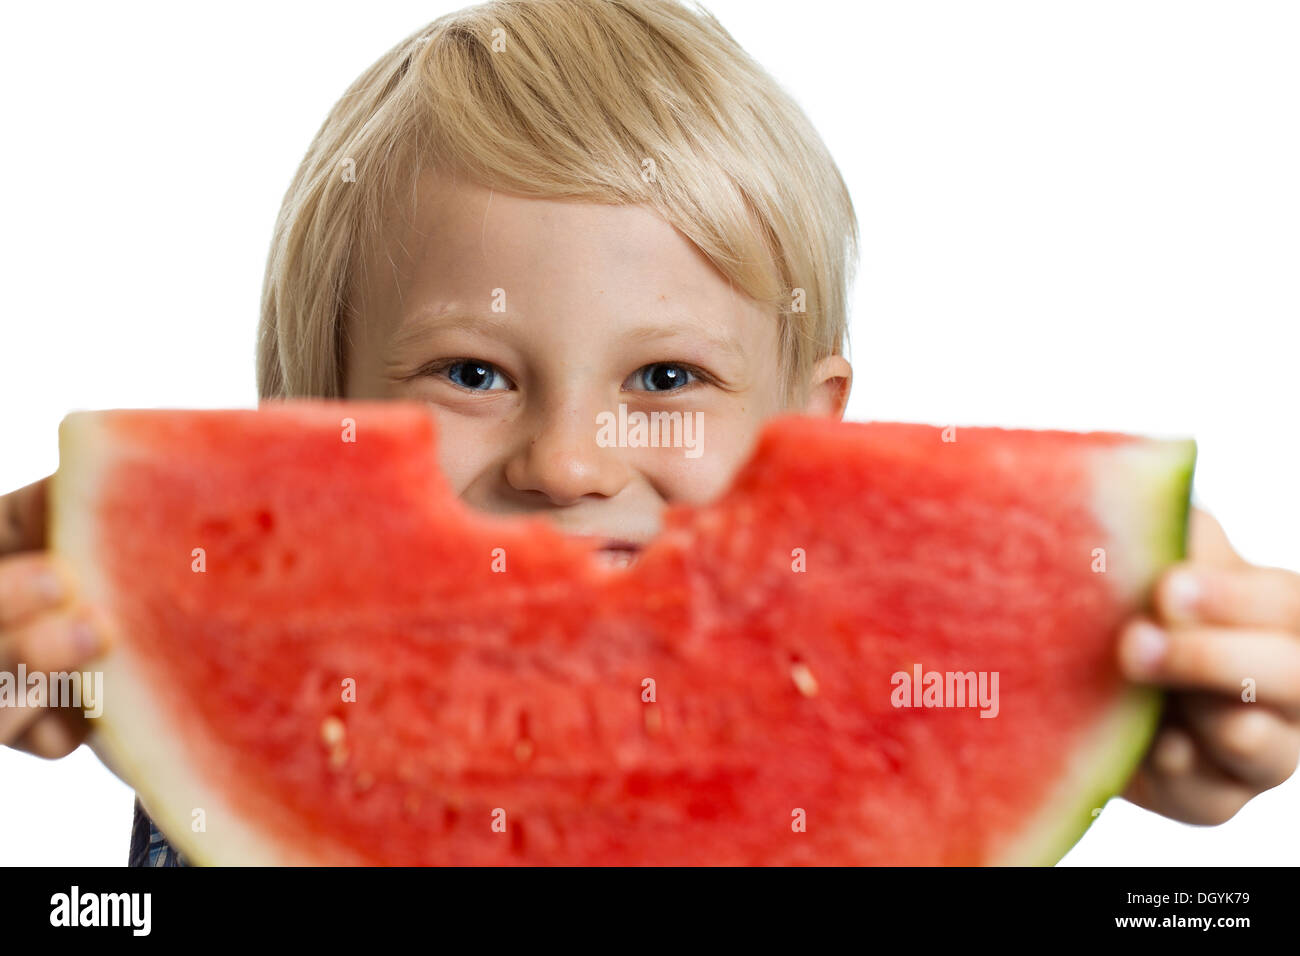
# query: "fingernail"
1184, 592
1146, 646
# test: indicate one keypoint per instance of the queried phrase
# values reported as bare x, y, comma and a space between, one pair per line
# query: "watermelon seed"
332, 731
332, 734
803, 679
338, 757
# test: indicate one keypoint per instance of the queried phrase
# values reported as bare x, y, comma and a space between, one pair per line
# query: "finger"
15, 721
57, 641
22, 518
47, 644
1207, 543
54, 734
1233, 661
31, 582
1251, 742
1248, 597
1178, 781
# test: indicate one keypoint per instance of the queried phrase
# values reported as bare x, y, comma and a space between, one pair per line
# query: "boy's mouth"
616, 552
619, 557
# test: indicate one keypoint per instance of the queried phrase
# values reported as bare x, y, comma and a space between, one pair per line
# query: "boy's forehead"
474, 224
464, 241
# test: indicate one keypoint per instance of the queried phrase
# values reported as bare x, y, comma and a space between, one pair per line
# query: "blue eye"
475, 375
664, 377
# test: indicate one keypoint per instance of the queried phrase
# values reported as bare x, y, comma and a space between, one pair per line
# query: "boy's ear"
828, 388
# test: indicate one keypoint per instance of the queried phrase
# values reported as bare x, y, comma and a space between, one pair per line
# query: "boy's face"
595, 307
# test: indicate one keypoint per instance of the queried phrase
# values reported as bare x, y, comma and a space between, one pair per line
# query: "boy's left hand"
1225, 623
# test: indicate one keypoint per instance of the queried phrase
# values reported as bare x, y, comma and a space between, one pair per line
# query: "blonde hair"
614, 101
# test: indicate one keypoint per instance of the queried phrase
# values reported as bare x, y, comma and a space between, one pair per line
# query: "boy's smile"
526, 322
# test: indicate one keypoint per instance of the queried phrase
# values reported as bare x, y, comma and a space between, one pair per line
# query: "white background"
1078, 215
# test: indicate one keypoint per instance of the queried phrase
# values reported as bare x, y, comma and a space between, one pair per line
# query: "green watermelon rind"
1121, 739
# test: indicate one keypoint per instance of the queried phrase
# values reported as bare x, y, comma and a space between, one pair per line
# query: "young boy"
531, 213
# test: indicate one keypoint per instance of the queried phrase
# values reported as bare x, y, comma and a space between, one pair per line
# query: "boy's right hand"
42, 625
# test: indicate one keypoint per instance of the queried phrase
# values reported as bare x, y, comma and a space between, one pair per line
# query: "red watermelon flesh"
355, 676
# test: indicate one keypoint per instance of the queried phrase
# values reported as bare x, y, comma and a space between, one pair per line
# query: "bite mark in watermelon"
771, 622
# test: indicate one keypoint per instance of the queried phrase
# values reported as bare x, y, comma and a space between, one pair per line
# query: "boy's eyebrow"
722, 342
414, 327
418, 325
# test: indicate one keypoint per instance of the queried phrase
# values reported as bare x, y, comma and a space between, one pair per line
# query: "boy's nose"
560, 458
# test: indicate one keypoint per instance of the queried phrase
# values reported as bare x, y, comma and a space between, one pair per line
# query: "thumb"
1207, 542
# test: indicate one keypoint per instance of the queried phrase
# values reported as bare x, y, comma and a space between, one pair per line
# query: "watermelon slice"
880, 646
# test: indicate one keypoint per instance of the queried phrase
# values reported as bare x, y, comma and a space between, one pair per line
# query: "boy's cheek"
465, 453
693, 480
712, 451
